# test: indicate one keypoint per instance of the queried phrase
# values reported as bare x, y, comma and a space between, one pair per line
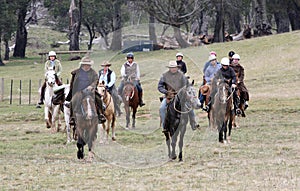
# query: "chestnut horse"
221, 113
109, 111
177, 118
86, 117
130, 99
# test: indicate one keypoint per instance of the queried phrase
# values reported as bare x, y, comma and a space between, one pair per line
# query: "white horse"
51, 111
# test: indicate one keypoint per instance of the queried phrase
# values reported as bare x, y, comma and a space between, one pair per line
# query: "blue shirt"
210, 72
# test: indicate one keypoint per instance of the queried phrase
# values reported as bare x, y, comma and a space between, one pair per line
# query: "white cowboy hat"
212, 57
87, 61
172, 64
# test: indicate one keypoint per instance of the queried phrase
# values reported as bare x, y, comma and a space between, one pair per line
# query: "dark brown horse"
177, 118
222, 112
131, 101
86, 122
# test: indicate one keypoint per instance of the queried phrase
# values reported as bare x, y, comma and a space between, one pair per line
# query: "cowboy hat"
86, 60
172, 64
106, 63
204, 89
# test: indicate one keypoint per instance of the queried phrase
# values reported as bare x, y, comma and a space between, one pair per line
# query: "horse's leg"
127, 110
67, 120
108, 121
113, 121
173, 144
225, 131
133, 116
46, 112
182, 132
168, 142
92, 138
221, 133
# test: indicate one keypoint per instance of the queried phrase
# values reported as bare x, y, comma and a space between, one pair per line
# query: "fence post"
29, 99
11, 88
2, 89
20, 95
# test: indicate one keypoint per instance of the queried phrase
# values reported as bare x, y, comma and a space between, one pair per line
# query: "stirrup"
142, 104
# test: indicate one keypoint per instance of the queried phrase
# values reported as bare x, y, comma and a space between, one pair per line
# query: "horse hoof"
113, 138
180, 160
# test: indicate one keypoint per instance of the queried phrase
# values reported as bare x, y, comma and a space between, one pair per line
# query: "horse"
59, 98
51, 111
177, 118
130, 99
221, 114
109, 111
86, 117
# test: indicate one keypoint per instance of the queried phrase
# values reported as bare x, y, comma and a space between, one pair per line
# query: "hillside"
263, 153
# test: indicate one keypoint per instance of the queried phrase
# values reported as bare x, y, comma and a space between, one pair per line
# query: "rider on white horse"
51, 63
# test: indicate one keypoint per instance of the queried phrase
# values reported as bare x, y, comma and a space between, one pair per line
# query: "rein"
183, 112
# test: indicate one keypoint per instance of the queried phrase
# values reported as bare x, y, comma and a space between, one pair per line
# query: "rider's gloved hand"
233, 86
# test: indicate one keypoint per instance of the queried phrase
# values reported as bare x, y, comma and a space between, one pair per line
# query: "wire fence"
21, 92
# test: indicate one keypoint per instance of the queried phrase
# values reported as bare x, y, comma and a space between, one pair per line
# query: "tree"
262, 26
116, 43
75, 14
21, 34
175, 13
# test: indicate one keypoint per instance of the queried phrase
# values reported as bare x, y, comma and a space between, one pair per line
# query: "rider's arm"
161, 86
59, 68
123, 74
137, 72
241, 77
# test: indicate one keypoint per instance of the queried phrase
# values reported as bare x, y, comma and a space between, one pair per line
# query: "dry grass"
263, 154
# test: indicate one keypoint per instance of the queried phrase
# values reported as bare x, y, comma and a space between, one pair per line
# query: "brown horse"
86, 117
221, 112
130, 99
109, 111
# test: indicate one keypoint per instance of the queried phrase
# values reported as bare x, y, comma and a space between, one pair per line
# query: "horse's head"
88, 107
222, 91
50, 77
128, 91
191, 97
101, 88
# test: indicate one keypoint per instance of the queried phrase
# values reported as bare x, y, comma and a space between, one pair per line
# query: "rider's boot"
236, 102
42, 96
72, 119
141, 100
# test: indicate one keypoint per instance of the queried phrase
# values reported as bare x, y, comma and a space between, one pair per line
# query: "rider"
131, 70
85, 78
230, 54
210, 72
109, 78
239, 72
181, 64
169, 84
227, 74
51, 63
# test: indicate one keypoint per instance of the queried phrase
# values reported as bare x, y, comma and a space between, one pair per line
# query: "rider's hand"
233, 86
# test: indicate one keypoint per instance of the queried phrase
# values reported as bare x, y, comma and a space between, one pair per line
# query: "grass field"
263, 154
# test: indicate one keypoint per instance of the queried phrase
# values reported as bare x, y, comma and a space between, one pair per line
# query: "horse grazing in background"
177, 118
109, 113
51, 111
86, 117
221, 114
130, 99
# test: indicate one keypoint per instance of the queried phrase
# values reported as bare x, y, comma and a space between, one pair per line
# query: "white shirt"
104, 78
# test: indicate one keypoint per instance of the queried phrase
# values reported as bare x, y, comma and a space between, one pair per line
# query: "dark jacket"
182, 66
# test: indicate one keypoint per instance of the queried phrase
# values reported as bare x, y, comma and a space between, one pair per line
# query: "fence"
20, 91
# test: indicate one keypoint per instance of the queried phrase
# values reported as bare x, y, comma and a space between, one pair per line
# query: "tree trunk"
6, 55
294, 15
152, 34
262, 26
116, 43
91, 34
21, 36
75, 24
282, 21
219, 27
1, 63
177, 33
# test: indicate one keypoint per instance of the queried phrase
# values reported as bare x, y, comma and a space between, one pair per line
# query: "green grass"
263, 153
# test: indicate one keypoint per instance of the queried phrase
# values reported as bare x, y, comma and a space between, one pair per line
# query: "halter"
132, 91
